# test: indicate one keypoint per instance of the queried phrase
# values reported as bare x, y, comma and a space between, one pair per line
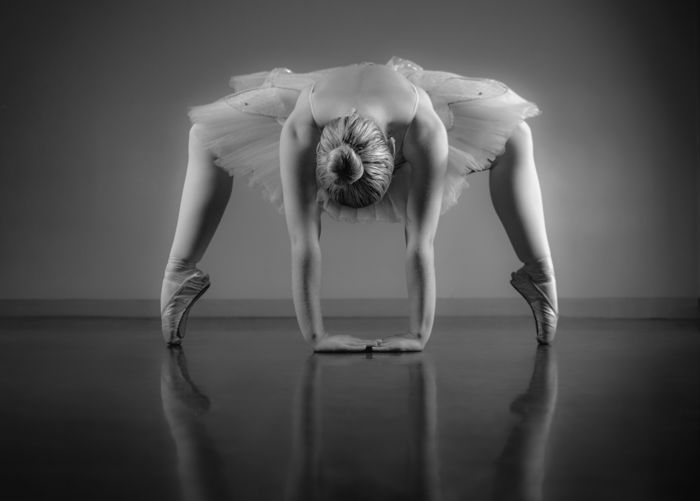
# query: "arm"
426, 149
297, 149
298, 142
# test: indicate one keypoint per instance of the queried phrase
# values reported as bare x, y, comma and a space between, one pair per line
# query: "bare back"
375, 91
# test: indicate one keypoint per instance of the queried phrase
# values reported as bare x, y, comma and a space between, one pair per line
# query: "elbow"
420, 251
419, 239
420, 245
304, 246
303, 239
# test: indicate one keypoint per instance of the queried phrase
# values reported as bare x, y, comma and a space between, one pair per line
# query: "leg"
204, 198
205, 195
515, 193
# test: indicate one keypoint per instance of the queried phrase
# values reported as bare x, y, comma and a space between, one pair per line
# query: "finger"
353, 345
366, 342
339, 349
351, 340
387, 347
400, 346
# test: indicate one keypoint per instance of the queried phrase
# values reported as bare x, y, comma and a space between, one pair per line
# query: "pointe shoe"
543, 307
175, 311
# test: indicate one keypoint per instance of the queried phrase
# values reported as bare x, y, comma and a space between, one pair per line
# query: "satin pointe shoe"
543, 307
175, 310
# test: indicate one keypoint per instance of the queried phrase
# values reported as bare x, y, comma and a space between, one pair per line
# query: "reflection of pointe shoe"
522, 404
175, 310
543, 306
179, 388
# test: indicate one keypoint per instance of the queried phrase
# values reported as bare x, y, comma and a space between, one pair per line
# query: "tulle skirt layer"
242, 131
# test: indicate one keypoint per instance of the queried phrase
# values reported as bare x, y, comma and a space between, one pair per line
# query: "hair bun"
354, 163
346, 164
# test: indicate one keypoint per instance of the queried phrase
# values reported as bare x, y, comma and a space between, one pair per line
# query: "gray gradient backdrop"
93, 142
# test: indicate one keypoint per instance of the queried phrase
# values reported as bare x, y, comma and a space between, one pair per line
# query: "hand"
343, 343
400, 342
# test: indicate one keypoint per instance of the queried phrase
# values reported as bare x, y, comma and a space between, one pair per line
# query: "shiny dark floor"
98, 409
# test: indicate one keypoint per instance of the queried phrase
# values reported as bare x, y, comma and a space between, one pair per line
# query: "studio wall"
93, 131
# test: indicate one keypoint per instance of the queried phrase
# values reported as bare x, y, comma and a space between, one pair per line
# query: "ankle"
178, 266
540, 270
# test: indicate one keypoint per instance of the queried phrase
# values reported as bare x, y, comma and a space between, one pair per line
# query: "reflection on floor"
98, 409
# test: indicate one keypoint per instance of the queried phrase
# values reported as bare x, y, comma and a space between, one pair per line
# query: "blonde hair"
354, 161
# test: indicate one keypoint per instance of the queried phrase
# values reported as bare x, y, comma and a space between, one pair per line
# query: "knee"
523, 130
195, 133
195, 139
518, 149
196, 143
520, 139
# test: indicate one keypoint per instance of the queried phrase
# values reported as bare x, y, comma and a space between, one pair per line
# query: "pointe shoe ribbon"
542, 306
175, 311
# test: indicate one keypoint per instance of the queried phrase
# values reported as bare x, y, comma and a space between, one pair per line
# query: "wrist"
418, 335
314, 338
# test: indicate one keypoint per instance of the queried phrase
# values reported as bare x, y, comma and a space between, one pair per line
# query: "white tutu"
242, 131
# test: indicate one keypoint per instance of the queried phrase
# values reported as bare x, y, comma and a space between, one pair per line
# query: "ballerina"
363, 142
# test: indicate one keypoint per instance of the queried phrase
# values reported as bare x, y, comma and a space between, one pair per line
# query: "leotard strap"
413, 115
413, 111
311, 106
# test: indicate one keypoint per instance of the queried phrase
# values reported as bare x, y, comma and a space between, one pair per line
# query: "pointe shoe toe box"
543, 308
175, 310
